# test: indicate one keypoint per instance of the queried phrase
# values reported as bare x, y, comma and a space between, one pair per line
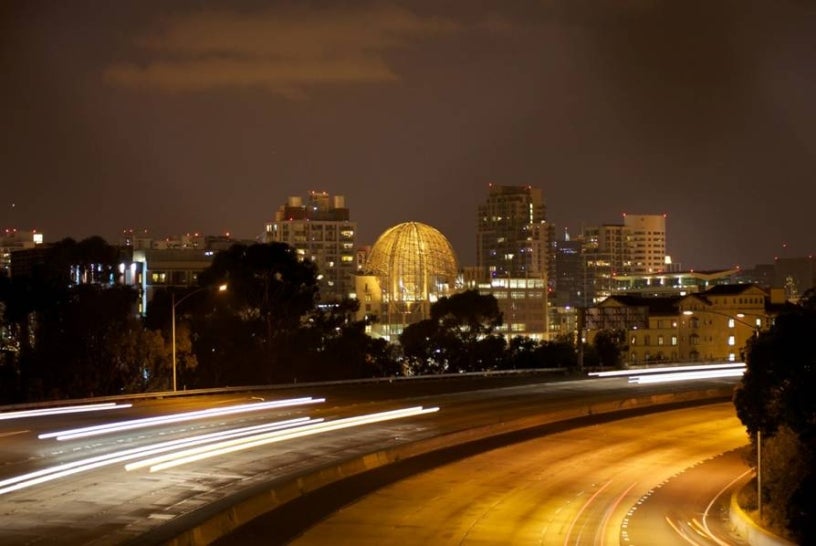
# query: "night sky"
204, 116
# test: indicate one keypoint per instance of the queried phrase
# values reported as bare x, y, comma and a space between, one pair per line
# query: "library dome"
414, 262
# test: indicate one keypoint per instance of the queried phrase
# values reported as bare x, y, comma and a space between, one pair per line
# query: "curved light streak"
62, 410
120, 426
205, 452
83, 465
608, 515
720, 493
575, 518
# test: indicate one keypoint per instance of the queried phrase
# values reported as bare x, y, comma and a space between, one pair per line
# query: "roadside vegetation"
775, 401
68, 331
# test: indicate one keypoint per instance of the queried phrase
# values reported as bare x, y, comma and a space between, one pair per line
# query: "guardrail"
275, 386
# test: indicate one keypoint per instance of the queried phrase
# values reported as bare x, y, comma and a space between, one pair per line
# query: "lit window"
731, 341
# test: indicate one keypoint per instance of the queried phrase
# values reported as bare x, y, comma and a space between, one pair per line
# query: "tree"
521, 353
458, 337
609, 345
774, 397
559, 353
67, 315
272, 291
780, 370
422, 347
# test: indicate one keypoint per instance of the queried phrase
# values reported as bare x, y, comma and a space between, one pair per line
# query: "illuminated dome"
414, 263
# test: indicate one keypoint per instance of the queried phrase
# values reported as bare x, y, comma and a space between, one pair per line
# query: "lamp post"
756, 328
173, 305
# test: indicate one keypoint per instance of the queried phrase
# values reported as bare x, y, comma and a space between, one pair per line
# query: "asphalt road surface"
51, 494
652, 480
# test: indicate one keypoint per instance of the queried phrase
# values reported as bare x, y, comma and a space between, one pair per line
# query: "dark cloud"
284, 51
178, 116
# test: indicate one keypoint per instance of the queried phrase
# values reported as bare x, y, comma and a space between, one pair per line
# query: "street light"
173, 305
756, 328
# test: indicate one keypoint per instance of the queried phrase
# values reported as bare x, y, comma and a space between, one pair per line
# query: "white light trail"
665, 369
83, 465
62, 410
120, 426
204, 452
689, 376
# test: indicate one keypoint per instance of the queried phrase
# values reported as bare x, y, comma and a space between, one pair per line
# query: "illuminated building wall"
711, 326
320, 230
606, 254
646, 241
523, 304
13, 239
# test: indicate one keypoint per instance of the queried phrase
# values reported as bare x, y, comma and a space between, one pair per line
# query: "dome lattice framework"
415, 264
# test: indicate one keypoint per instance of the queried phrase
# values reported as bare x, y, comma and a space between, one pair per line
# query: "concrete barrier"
747, 527
216, 520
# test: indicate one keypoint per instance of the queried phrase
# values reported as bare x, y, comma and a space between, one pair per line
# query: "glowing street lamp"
173, 305
756, 328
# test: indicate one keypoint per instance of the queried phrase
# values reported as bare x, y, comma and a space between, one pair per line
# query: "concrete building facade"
320, 229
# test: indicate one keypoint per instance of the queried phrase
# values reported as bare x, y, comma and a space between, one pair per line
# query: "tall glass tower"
513, 234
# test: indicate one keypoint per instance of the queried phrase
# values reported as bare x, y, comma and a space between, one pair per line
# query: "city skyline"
207, 115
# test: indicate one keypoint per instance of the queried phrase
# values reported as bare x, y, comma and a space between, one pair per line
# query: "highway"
627, 482
58, 486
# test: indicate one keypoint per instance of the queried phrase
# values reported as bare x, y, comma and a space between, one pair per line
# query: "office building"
513, 236
646, 242
319, 228
513, 254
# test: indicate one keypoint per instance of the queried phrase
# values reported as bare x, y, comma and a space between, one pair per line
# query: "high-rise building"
570, 282
606, 254
320, 230
512, 238
638, 246
513, 257
646, 241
